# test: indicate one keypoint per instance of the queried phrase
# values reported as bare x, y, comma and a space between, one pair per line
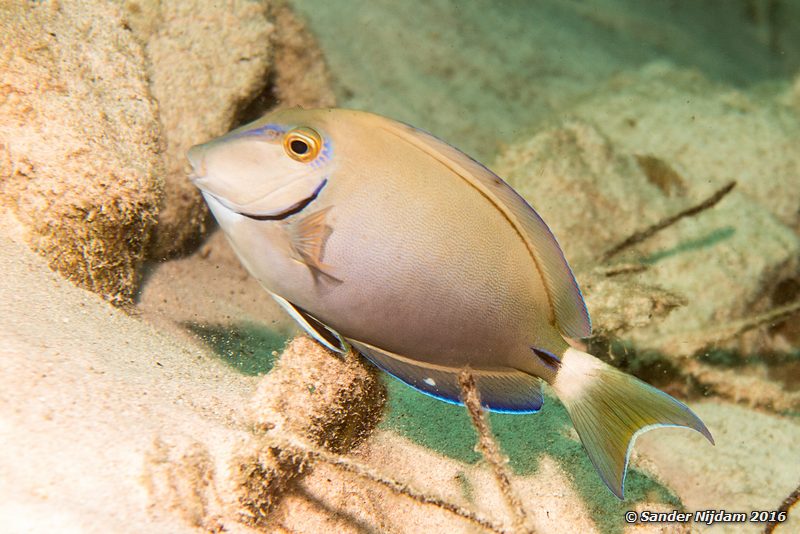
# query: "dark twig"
707, 338
640, 236
489, 449
772, 317
623, 268
787, 503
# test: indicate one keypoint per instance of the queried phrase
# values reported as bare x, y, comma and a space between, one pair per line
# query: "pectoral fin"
307, 238
324, 335
501, 390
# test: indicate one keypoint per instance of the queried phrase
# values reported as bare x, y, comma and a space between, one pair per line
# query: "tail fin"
610, 408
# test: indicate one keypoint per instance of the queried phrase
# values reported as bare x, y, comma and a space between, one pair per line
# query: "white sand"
87, 390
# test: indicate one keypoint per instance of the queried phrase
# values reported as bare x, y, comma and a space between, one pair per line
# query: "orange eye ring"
302, 144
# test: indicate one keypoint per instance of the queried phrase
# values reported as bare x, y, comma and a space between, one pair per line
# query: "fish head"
266, 169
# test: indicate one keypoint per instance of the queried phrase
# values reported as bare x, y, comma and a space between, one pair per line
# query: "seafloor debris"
487, 446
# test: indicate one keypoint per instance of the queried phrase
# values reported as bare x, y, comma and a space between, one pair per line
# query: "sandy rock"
587, 190
312, 400
730, 264
312, 394
751, 467
727, 263
301, 77
79, 140
709, 133
332, 401
620, 303
200, 85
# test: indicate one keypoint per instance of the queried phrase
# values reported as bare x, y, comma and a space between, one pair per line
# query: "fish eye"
302, 144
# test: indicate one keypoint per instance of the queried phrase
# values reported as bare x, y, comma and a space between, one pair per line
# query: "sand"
88, 391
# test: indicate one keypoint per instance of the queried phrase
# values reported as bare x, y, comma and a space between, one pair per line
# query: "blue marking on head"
268, 131
274, 132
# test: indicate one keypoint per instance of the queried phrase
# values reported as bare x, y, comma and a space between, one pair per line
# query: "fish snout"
197, 159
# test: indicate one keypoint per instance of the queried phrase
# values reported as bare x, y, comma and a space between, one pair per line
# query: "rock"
588, 191
619, 303
739, 473
710, 133
311, 402
80, 154
301, 77
200, 86
330, 402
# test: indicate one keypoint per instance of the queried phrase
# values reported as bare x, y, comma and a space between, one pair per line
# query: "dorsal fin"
568, 311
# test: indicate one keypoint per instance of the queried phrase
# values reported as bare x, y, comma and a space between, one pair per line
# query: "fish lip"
291, 210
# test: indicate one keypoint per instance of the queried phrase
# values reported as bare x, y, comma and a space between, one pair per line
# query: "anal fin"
324, 335
502, 390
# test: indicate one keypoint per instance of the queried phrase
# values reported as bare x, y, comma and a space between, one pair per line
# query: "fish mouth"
297, 207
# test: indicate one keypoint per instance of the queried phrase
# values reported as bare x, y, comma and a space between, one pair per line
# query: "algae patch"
249, 348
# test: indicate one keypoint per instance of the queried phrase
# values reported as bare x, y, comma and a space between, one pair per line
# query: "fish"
376, 236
